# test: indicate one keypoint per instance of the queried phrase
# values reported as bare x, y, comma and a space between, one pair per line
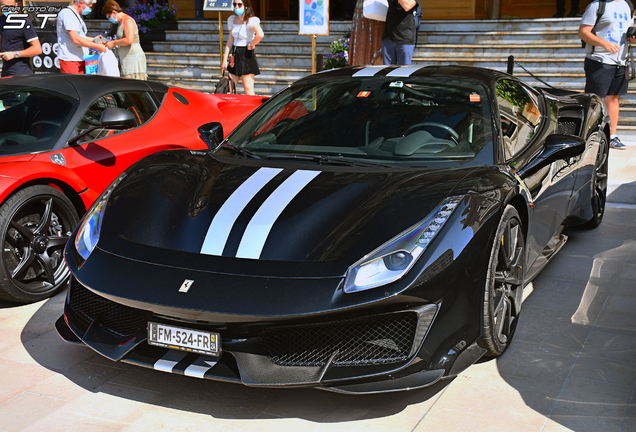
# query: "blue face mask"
86, 11
6, 13
240, 11
113, 20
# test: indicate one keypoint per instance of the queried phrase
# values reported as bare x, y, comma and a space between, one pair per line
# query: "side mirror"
212, 134
557, 147
111, 118
118, 118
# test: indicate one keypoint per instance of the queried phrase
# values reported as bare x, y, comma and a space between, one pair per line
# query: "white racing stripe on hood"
225, 218
261, 224
404, 71
369, 71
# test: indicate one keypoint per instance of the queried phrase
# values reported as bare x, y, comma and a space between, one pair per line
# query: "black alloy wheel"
504, 284
599, 183
35, 223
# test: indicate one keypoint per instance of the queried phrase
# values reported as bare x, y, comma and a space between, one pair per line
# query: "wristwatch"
16, 54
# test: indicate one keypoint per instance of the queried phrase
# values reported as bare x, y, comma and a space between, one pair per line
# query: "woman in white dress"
132, 58
245, 33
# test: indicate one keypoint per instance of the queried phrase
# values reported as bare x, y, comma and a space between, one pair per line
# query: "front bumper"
367, 354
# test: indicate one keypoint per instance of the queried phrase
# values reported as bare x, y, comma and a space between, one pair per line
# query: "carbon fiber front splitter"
248, 368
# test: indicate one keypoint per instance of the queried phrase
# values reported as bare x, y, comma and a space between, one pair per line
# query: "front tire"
599, 184
35, 224
504, 284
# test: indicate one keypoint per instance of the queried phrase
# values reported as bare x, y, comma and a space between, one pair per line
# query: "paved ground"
572, 365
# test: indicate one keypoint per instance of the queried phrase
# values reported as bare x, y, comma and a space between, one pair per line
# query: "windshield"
398, 121
31, 120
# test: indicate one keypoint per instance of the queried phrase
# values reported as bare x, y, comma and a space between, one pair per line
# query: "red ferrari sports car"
64, 139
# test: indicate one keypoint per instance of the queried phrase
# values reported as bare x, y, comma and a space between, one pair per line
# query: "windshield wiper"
238, 150
326, 160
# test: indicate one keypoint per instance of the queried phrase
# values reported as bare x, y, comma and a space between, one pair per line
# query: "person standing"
73, 44
366, 39
605, 56
131, 57
398, 40
245, 33
17, 45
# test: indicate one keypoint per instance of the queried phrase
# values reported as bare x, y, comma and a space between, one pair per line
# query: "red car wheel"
35, 224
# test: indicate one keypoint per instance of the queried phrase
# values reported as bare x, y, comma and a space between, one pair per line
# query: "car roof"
86, 86
486, 75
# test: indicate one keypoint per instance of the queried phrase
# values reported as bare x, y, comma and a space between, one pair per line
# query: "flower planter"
157, 34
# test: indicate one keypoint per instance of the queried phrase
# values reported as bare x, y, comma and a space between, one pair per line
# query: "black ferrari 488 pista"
368, 229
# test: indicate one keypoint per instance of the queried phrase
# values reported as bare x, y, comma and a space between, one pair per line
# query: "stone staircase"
548, 48
189, 56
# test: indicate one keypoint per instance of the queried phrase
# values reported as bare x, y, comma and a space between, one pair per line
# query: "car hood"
185, 207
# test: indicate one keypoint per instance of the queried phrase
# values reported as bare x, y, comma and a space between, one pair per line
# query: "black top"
400, 24
12, 40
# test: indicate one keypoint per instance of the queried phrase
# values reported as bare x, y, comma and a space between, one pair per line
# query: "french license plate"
196, 341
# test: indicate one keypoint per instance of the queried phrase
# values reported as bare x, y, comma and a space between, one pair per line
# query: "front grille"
115, 319
375, 340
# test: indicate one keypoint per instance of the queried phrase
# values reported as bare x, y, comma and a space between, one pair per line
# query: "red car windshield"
31, 120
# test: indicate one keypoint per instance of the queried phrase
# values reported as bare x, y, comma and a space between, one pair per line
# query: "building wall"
457, 9
535, 8
431, 9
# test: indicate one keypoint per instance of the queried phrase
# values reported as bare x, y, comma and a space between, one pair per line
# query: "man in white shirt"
73, 44
605, 55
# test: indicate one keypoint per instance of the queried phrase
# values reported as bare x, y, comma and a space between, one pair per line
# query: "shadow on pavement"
625, 193
96, 374
572, 356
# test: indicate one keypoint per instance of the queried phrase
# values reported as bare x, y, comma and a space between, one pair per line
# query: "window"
139, 103
31, 120
520, 116
411, 121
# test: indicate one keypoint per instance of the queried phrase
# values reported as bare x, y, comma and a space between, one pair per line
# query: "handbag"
630, 65
230, 58
108, 64
225, 85
375, 9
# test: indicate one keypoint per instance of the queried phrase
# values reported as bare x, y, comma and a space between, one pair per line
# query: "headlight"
88, 232
394, 259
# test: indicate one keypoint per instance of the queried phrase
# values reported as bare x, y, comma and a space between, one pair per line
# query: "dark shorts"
604, 79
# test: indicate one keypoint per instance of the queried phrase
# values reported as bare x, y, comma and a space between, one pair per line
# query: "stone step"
261, 87
531, 25
495, 37
566, 65
212, 25
273, 37
212, 59
263, 48
208, 72
536, 66
267, 25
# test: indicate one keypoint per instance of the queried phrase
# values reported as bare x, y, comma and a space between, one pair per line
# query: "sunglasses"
237, 4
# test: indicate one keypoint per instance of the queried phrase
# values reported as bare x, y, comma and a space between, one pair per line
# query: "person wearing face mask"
73, 44
17, 45
245, 33
131, 57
